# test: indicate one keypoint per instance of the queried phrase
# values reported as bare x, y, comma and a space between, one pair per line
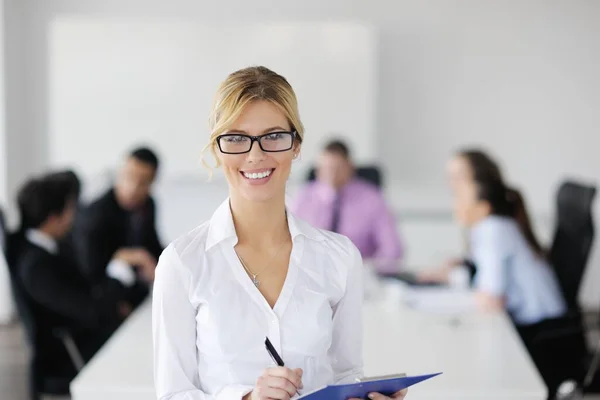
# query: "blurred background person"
66, 245
342, 202
58, 295
458, 172
512, 272
118, 231
465, 168
511, 267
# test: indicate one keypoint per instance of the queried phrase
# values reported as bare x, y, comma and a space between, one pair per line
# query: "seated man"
120, 226
58, 295
342, 202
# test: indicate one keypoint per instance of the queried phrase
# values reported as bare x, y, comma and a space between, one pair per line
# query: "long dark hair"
504, 200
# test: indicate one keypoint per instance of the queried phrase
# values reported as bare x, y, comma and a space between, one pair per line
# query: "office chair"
40, 382
560, 352
573, 237
3, 233
369, 173
560, 346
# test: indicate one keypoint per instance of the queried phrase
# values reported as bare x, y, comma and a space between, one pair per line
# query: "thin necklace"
255, 276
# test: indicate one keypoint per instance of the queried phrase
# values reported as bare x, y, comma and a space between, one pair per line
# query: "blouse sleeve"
346, 349
490, 254
174, 333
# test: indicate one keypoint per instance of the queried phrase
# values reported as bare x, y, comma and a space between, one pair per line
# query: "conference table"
413, 331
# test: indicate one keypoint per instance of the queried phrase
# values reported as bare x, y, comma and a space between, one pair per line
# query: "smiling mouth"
257, 175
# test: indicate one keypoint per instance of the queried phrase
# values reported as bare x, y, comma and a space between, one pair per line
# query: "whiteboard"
116, 83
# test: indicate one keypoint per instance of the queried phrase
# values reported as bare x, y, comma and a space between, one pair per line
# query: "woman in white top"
254, 271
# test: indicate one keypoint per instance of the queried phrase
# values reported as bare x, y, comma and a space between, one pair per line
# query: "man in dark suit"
118, 229
57, 294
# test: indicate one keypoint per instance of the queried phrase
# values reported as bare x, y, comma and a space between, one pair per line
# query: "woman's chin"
259, 194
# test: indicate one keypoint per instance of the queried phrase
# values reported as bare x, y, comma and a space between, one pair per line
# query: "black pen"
274, 355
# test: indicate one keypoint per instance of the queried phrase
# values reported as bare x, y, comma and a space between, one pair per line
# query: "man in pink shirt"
342, 202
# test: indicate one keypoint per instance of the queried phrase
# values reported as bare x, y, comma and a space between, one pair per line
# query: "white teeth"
257, 175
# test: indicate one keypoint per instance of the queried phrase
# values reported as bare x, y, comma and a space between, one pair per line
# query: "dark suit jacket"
58, 296
103, 227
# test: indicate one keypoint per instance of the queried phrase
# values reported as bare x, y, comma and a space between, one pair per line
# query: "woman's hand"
440, 274
488, 302
396, 396
437, 275
278, 383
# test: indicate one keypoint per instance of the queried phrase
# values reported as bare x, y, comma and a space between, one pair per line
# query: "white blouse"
508, 267
210, 321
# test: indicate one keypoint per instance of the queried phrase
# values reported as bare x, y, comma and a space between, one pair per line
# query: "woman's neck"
259, 224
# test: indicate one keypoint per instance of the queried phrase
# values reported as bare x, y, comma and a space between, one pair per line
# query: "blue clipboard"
360, 390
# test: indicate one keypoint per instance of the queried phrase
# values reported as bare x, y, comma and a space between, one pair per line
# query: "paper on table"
440, 300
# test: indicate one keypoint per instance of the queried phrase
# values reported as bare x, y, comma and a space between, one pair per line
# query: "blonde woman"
254, 271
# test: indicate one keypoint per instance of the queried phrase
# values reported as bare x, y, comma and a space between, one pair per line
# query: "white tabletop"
123, 368
480, 355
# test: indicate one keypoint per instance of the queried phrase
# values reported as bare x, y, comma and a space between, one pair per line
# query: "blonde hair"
243, 87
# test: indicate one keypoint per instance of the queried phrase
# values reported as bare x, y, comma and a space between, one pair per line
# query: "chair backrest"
573, 237
370, 173
24, 308
10, 243
3, 233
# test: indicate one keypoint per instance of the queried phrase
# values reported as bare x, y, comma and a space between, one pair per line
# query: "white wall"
518, 77
3, 163
6, 303
25, 116
115, 83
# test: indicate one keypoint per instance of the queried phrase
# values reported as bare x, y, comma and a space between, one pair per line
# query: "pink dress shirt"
364, 218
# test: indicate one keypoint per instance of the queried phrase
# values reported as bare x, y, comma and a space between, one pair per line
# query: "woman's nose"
256, 154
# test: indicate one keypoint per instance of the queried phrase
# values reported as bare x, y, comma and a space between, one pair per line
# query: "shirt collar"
328, 193
221, 227
42, 240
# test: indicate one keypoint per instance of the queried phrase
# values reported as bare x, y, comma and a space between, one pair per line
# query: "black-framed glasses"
272, 142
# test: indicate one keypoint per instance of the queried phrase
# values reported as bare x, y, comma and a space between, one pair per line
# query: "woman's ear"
296, 150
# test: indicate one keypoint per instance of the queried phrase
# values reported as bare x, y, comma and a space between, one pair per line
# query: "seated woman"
459, 170
511, 270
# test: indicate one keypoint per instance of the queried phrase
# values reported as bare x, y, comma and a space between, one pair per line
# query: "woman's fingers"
276, 382
276, 393
299, 372
396, 396
267, 387
378, 396
400, 395
294, 376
